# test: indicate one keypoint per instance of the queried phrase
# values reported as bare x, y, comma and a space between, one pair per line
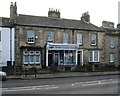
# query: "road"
74, 85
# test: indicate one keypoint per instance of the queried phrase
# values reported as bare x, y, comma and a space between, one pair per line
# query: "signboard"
62, 47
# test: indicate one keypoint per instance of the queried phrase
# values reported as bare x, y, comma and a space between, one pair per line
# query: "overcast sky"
99, 10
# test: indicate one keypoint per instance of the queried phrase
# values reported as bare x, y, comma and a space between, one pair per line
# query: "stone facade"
112, 44
73, 42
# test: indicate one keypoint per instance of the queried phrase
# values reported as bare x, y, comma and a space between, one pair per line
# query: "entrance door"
56, 59
50, 59
79, 58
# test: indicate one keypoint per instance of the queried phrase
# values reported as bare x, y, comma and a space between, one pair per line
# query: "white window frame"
66, 37
30, 36
93, 39
112, 43
112, 57
50, 36
92, 56
26, 53
31, 53
34, 54
37, 53
79, 38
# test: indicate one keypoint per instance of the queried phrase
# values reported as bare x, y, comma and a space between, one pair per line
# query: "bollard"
25, 72
35, 72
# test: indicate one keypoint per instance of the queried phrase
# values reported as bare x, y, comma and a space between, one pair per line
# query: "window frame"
50, 36
66, 37
112, 58
30, 39
112, 43
80, 41
94, 39
29, 54
92, 53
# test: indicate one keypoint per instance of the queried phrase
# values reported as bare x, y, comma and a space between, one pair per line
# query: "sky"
99, 10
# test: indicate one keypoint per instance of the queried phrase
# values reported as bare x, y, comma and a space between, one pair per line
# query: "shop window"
30, 36
79, 39
93, 56
94, 39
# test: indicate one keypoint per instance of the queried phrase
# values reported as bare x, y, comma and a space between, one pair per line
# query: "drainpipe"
11, 45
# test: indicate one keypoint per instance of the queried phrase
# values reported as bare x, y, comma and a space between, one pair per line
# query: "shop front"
63, 54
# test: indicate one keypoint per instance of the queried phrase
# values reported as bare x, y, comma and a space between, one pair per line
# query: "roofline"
58, 27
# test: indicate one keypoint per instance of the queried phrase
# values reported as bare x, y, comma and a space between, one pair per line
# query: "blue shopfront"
63, 54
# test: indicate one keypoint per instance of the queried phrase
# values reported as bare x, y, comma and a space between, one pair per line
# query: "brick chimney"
85, 17
53, 13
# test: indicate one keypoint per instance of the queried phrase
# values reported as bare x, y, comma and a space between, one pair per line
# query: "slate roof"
29, 20
5, 22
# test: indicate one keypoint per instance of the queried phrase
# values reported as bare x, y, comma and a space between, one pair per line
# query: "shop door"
50, 59
56, 59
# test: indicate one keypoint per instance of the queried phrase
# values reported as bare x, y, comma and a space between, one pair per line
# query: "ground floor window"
62, 57
31, 57
94, 56
112, 58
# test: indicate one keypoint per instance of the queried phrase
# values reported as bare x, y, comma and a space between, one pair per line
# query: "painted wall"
5, 45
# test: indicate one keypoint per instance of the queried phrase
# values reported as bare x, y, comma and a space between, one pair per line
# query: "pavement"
62, 75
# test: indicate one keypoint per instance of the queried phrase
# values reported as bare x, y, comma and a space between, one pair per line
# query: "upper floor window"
112, 43
93, 39
79, 39
31, 36
93, 56
65, 38
50, 36
112, 58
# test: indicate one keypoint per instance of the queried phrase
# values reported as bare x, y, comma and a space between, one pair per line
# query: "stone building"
55, 41
112, 43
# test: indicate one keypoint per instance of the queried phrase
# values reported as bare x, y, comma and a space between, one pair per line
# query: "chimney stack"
54, 13
13, 12
85, 17
108, 24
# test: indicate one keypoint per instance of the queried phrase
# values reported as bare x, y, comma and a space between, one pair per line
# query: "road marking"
98, 82
29, 88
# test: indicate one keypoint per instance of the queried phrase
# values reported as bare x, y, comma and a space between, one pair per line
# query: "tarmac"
62, 75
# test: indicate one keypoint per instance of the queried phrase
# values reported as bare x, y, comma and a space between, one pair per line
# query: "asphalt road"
74, 85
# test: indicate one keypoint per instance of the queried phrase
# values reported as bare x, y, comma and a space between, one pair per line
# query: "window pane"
26, 59
90, 56
65, 37
79, 38
31, 58
50, 36
93, 39
37, 59
111, 58
112, 43
30, 36
96, 56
